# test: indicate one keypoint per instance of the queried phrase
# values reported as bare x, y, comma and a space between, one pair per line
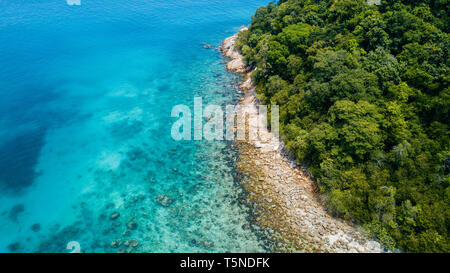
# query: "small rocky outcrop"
114, 215
236, 63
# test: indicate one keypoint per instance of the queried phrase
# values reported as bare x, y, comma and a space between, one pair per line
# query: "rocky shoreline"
284, 196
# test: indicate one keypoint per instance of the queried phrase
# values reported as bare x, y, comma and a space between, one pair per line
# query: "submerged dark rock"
132, 225
36, 227
133, 243
14, 247
17, 168
16, 211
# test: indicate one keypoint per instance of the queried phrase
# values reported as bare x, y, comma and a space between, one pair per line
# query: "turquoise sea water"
86, 94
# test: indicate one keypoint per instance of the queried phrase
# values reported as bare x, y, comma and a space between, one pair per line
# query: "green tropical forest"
364, 104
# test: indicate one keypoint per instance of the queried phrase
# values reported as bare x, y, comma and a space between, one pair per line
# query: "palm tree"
401, 150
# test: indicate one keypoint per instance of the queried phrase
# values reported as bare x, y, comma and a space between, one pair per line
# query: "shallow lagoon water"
85, 125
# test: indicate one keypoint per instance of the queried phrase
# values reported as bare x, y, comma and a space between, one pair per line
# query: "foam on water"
87, 93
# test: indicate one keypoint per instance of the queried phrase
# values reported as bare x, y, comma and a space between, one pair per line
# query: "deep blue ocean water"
86, 95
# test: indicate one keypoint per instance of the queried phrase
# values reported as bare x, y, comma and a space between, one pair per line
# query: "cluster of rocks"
164, 200
285, 198
126, 246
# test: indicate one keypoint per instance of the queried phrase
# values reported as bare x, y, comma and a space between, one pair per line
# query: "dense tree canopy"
364, 103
